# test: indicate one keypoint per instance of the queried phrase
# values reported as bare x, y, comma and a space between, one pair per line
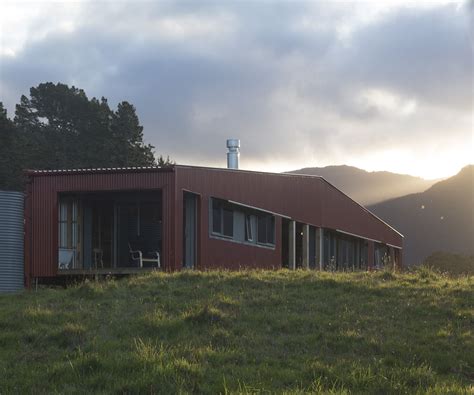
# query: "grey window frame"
250, 232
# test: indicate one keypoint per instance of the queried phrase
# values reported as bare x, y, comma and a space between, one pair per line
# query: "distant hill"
439, 219
369, 187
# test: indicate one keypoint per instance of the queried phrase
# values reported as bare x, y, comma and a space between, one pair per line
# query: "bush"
450, 263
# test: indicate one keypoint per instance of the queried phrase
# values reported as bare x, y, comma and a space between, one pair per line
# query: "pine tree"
10, 162
130, 150
59, 128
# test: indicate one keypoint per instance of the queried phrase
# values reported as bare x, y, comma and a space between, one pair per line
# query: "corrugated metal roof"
172, 168
36, 172
294, 175
155, 168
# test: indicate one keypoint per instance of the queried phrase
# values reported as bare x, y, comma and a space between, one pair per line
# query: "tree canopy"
59, 127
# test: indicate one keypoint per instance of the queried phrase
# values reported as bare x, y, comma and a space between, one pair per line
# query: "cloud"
299, 83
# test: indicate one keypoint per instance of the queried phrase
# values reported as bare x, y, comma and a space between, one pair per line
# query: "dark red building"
131, 219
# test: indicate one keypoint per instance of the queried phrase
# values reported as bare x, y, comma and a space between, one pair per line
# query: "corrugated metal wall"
42, 212
306, 199
11, 241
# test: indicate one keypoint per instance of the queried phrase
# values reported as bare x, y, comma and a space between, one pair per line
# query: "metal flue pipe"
233, 155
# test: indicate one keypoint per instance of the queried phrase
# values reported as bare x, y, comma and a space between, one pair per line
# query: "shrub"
450, 263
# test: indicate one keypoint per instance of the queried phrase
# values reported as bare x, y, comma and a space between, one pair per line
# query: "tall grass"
242, 332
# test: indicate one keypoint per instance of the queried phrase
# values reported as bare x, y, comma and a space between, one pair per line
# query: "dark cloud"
424, 54
279, 76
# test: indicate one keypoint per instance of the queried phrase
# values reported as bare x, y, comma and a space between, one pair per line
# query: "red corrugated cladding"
305, 199
42, 218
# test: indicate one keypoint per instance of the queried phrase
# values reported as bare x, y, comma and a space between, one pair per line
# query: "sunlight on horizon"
431, 169
428, 171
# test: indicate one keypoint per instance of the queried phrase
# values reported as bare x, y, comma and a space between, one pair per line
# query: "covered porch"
110, 232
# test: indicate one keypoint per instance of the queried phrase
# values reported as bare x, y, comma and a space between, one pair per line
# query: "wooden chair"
98, 258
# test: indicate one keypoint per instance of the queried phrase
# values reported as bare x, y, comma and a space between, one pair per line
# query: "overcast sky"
378, 85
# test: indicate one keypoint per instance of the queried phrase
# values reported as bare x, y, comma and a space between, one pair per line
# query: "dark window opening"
216, 216
222, 218
262, 230
228, 219
266, 229
271, 230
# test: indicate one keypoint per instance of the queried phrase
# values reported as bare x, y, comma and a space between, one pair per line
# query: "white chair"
137, 256
66, 258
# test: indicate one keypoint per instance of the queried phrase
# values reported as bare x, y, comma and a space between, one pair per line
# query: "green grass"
242, 332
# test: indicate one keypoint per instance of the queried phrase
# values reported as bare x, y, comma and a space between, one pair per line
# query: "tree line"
59, 127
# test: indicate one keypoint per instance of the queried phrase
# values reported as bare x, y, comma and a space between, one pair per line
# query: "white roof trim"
257, 208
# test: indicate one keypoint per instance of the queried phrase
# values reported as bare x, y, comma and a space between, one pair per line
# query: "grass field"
250, 332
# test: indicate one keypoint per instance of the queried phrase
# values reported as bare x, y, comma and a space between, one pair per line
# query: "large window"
68, 233
381, 256
241, 223
344, 252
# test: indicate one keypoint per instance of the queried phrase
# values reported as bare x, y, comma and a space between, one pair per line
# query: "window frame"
250, 232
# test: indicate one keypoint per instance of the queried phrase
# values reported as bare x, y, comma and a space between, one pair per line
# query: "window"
222, 218
241, 223
63, 224
266, 229
216, 216
271, 230
228, 220
248, 228
262, 230
68, 234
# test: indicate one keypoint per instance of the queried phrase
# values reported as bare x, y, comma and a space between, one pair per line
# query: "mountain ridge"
438, 219
368, 187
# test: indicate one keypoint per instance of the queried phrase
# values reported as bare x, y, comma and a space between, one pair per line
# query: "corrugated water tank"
11, 241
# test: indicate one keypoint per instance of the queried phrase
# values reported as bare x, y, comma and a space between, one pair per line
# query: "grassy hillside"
242, 332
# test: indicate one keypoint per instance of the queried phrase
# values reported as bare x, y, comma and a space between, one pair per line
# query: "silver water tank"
11, 241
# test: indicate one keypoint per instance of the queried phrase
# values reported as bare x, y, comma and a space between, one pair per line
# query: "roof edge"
97, 170
171, 168
301, 176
